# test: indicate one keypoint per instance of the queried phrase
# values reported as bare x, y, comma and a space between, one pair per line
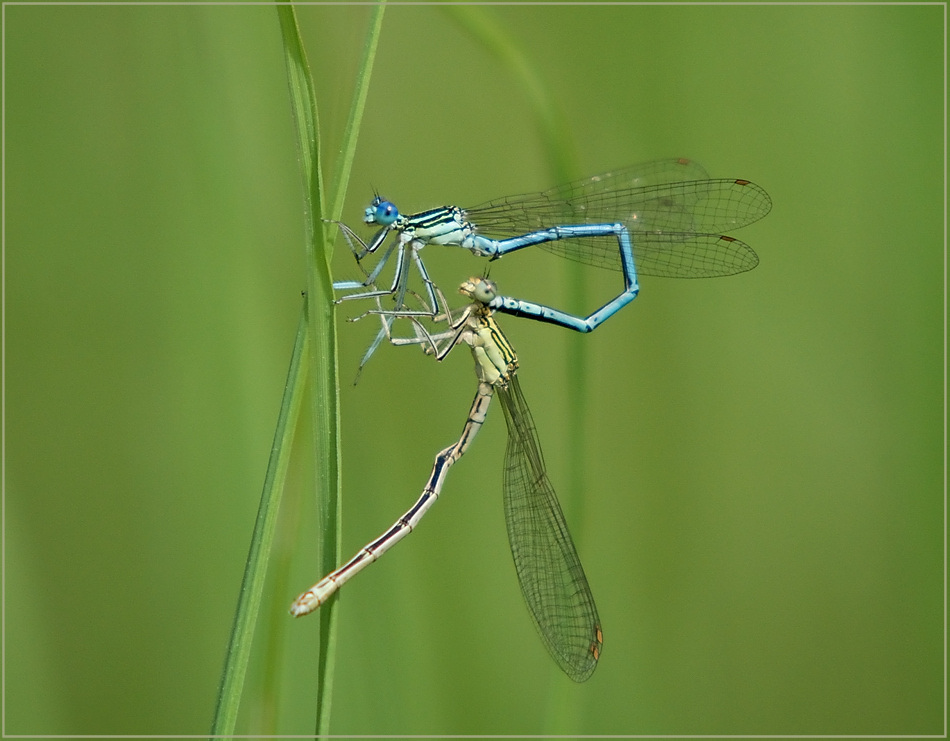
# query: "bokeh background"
763, 516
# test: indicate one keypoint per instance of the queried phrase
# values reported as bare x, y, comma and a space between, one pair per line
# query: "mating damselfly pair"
664, 218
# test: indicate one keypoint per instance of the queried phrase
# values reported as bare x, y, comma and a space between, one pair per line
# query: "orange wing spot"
597, 643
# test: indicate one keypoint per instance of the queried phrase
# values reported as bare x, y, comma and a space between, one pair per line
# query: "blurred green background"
763, 521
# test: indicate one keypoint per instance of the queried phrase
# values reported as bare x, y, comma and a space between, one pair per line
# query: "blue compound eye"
383, 212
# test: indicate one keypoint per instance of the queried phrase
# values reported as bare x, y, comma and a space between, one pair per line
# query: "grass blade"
314, 355
322, 330
324, 384
341, 177
249, 601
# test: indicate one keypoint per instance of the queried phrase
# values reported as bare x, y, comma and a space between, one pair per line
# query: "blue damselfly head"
381, 212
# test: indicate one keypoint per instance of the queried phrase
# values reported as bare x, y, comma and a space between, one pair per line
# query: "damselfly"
665, 218
549, 570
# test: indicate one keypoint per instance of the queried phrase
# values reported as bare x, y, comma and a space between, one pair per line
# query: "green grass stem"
255, 570
314, 359
324, 385
325, 390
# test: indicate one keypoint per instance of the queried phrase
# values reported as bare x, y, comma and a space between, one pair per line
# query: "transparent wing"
675, 213
549, 571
